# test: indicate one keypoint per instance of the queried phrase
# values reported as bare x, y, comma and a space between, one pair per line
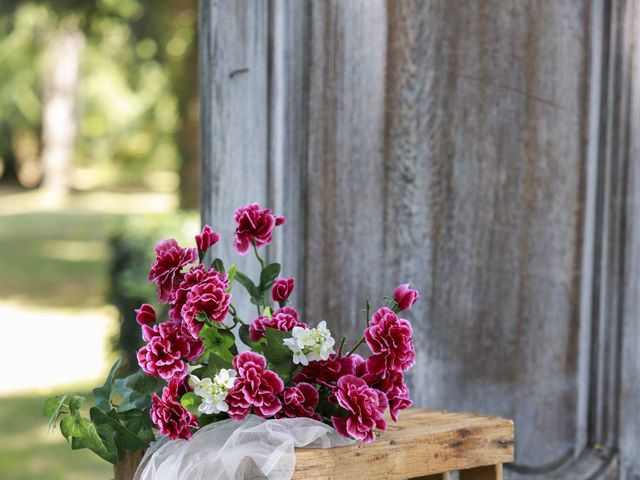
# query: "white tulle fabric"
253, 448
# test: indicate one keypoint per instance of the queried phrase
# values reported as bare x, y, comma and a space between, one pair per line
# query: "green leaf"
125, 439
218, 340
268, 275
202, 317
135, 391
215, 364
283, 369
190, 401
75, 403
103, 394
267, 312
139, 421
52, 407
246, 339
84, 434
276, 351
247, 284
232, 275
218, 265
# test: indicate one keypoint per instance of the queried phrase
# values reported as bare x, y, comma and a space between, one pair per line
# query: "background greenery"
133, 181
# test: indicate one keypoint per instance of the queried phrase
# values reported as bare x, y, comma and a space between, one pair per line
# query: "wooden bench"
424, 444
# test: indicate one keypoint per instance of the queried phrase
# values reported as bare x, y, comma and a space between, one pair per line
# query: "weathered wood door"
487, 152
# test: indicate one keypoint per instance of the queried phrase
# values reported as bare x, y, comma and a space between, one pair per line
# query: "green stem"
341, 345
255, 250
360, 342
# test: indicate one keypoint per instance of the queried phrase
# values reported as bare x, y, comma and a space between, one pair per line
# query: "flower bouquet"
194, 372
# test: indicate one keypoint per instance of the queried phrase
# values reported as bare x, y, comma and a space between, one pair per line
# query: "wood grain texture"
234, 108
422, 443
481, 150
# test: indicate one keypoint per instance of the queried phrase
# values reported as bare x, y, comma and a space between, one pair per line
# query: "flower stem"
341, 345
255, 250
360, 342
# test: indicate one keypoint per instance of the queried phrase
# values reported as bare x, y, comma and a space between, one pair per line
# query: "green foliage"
278, 354
191, 401
219, 340
109, 430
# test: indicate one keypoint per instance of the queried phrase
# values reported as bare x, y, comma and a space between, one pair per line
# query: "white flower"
213, 391
310, 345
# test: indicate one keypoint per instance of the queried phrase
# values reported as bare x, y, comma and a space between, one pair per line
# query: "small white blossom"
213, 391
310, 345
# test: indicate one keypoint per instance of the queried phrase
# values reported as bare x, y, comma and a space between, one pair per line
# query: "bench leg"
493, 472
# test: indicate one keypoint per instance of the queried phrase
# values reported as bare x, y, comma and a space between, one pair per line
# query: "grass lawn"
29, 452
54, 277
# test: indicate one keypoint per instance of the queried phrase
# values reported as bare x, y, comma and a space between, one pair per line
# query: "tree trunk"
60, 121
481, 150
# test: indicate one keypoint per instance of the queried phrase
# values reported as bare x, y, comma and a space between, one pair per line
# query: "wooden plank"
345, 194
421, 443
485, 186
235, 121
126, 469
438, 476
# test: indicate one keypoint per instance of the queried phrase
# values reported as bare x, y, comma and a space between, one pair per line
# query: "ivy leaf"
139, 421
103, 394
52, 407
218, 265
283, 369
135, 391
248, 284
84, 434
191, 401
268, 275
125, 439
276, 351
75, 403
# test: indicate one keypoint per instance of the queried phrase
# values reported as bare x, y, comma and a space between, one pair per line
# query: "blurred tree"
136, 98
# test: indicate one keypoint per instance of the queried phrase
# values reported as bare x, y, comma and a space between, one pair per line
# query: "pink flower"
396, 391
145, 315
391, 340
365, 406
282, 288
405, 296
299, 401
283, 319
197, 275
206, 239
166, 270
209, 297
171, 418
328, 372
255, 386
256, 225
166, 350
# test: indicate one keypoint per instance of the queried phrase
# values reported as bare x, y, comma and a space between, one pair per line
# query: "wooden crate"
424, 444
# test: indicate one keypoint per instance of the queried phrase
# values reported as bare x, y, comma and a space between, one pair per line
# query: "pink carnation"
171, 418
396, 391
255, 386
328, 372
145, 315
166, 350
299, 401
365, 406
282, 288
405, 296
209, 297
207, 239
391, 340
283, 319
166, 270
256, 225
196, 275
